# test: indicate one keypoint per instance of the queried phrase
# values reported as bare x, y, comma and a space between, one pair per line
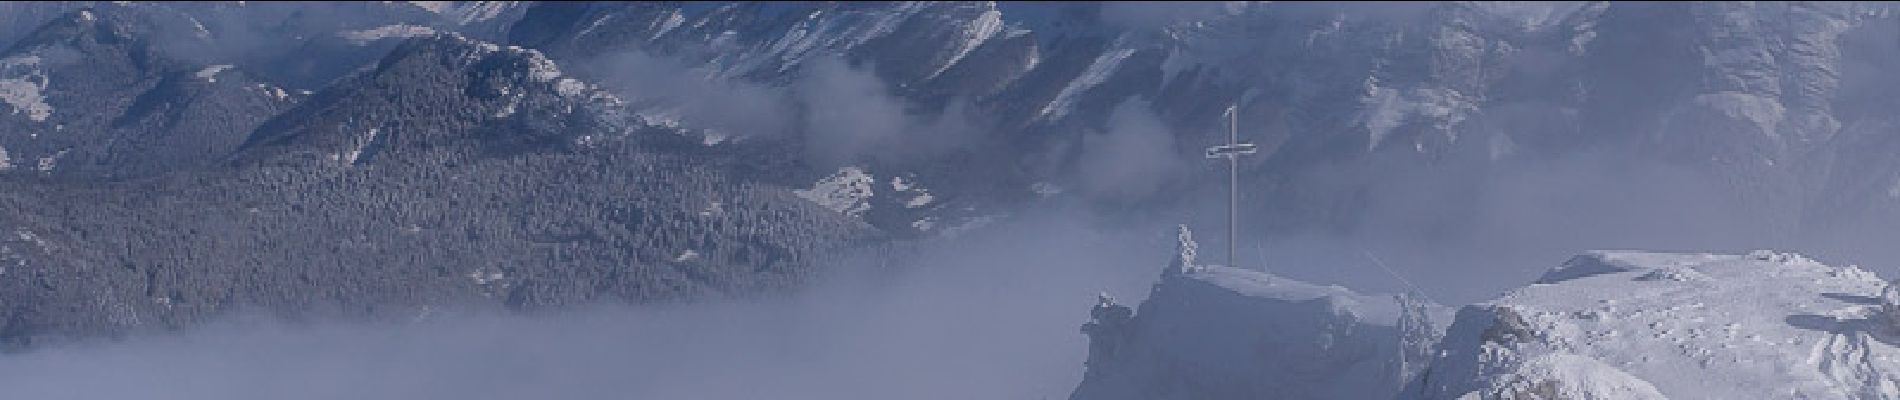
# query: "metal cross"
1232, 152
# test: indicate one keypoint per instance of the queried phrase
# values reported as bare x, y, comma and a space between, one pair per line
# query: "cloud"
993, 315
841, 114
1465, 232
848, 112
1152, 15
851, 116
694, 96
1133, 159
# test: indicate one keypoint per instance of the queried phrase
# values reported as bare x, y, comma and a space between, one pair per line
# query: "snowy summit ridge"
1604, 325
1220, 332
1637, 325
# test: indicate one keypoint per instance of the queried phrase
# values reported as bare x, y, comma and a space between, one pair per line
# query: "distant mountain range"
166, 162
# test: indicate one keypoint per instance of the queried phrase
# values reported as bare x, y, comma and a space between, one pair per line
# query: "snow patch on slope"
466, 12
433, 6
1529, 15
22, 86
816, 35
569, 87
1385, 109
540, 68
673, 21
848, 191
47, 163
1567, 376
364, 146
980, 30
210, 74
919, 196
1097, 72
485, 276
367, 36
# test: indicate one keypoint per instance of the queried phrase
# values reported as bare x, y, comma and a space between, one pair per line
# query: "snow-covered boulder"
1214, 332
1637, 325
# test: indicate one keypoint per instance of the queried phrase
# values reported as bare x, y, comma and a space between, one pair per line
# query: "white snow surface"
362, 143
1640, 325
569, 87
367, 36
1098, 71
22, 86
47, 163
1566, 376
433, 6
1529, 15
1260, 285
1604, 325
848, 191
976, 32
467, 12
817, 35
210, 73
1385, 109
1216, 332
919, 196
540, 68
485, 276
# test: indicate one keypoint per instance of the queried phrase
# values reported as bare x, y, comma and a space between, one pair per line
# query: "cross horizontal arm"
1230, 150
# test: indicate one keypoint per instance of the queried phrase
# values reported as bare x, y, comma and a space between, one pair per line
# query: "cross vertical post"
1232, 152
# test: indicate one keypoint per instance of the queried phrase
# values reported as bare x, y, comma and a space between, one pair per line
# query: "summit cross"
1232, 151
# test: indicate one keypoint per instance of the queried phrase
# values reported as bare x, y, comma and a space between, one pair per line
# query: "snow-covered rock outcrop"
1604, 325
1634, 325
1217, 332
